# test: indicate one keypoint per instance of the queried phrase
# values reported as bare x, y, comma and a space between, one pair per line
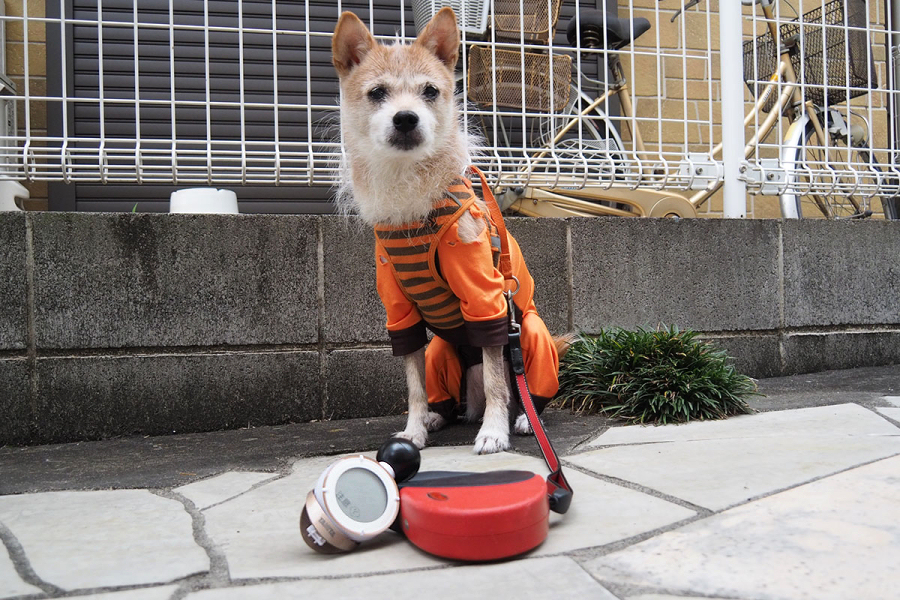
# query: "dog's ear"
441, 37
350, 44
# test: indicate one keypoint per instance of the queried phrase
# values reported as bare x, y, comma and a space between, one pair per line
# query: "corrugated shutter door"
188, 57
154, 66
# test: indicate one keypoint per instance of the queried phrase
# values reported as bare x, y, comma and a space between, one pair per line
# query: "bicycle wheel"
839, 180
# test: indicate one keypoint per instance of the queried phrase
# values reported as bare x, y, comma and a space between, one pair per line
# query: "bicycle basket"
836, 59
471, 15
535, 20
514, 71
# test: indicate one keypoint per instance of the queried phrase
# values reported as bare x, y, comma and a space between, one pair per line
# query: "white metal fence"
173, 94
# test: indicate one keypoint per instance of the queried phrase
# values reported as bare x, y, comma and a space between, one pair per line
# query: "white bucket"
203, 200
9, 191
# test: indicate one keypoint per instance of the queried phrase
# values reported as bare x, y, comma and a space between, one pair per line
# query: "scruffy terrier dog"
437, 249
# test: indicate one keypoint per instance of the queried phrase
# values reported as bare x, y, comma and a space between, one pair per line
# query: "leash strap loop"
559, 492
505, 266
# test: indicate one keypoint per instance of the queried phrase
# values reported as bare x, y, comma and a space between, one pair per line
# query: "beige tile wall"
689, 85
686, 90
37, 76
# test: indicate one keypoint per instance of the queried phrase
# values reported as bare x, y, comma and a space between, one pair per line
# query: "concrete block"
708, 275
96, 397
544, 246
15, 402
151, 280
364, 383
753, 355
353, 310
841, 273
813, 352
13, 292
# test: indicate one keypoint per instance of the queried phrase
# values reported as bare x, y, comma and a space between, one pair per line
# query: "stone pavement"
800, 500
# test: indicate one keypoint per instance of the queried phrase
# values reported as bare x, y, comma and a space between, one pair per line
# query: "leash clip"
511, 307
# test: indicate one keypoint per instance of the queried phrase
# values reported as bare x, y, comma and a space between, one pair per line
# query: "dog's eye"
430, 92
377, 94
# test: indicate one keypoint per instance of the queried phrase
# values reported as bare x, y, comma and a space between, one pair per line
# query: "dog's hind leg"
494, 433
416, 423
474, 393
523, 426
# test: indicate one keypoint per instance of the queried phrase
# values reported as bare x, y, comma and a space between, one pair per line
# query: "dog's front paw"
418, 437
522, 426
489, 443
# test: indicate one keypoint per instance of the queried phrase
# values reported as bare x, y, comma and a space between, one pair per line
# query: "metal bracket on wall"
701, 170
767, 176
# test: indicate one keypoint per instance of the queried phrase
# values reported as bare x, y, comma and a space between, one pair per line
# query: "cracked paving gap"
223, 487
218, 562
701, 511
19, 562
256, 486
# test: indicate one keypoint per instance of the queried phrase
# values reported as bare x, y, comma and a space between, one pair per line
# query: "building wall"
682, 97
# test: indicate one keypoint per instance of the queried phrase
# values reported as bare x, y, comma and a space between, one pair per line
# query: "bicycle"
600, 176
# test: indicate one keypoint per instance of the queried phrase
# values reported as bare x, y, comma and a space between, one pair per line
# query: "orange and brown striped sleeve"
404, 323
470, 272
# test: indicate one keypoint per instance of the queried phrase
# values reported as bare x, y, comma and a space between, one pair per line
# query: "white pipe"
892, 18
732, 68
9, 191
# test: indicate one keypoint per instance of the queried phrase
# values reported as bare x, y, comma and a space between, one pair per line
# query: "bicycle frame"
645, 201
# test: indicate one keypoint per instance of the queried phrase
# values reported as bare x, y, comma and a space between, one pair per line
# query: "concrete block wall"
121, 324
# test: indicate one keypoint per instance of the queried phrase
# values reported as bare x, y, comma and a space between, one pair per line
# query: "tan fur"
391, 185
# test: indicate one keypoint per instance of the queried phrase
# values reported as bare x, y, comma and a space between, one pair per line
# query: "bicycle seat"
619, 32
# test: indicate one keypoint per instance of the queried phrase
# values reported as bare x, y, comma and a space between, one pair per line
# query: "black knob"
402, 455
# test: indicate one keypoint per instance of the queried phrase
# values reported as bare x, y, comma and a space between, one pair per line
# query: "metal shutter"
119, 121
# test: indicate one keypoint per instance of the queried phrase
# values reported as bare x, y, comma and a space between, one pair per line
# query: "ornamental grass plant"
659, 377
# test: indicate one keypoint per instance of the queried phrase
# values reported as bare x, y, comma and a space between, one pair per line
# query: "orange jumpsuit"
428, 278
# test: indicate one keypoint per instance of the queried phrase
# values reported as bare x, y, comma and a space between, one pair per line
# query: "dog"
405, 161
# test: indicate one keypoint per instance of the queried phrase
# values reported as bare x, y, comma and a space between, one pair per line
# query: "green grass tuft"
662, 376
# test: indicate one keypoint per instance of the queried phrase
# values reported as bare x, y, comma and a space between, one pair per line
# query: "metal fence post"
892, 23
732, 94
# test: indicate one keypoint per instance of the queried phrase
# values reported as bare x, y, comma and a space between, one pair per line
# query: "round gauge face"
361, 495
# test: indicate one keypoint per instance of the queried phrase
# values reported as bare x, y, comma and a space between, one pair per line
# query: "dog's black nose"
406, 120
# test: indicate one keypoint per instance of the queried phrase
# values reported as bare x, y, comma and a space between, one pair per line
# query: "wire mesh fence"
563, 94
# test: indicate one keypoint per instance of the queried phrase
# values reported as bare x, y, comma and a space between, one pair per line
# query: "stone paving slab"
10, 582
890, 412
519, 579
844, 419
163, 592
719, 464
207, 492
259, 531
669, 597
836, 538
89, 540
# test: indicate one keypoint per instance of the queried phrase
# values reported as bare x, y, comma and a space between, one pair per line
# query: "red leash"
558, 489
